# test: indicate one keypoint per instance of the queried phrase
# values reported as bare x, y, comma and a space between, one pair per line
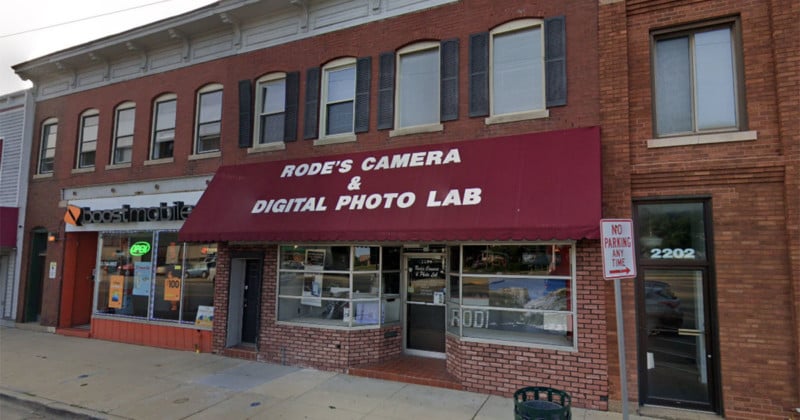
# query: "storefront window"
125, 274
339, 285
519, 293
151, 275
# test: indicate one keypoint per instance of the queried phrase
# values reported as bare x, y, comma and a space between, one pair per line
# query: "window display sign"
172, 284
312, 284
205, 316
426, 281
141, 278
116, 291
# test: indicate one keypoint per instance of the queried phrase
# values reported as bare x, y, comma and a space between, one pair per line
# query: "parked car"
198, 270
662, 307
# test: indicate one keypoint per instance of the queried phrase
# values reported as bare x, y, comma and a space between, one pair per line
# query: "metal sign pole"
623, 376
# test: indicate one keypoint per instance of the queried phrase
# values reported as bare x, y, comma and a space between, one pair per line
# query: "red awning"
540, 186
8, 227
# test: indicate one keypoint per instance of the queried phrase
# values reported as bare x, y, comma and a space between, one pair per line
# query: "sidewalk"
120, 381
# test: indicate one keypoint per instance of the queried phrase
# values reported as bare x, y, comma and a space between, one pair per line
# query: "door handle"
688, 331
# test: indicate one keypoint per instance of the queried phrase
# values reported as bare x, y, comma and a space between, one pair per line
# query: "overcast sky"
34, 28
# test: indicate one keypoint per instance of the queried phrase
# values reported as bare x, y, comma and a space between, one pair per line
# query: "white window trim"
258, 111
163, 98
150, 162
269, 147
424, 128
505, 28
323, 102
121, 107
206, 155
88, 113
703, 138
110, 167
213, 87
45, 123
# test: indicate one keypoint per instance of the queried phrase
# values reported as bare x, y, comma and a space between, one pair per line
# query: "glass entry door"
679, 367
425, 289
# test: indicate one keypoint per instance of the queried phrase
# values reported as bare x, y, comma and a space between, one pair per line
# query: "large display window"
153, 276
515, 293
341, 286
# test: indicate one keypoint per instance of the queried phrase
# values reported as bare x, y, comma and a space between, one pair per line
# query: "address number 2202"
672, 253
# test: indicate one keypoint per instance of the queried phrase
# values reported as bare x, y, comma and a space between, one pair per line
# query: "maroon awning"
538, 186
8, 227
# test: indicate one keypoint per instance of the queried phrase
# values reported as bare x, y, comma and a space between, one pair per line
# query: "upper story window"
87, 144
518, 70
163, 141
517, 67
337, 100
418, 85
209, 119
270, 109
338, 97
47, 154
697, 79
124, 119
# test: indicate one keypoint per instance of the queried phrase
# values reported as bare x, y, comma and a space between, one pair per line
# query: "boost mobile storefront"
127, 277
477, 252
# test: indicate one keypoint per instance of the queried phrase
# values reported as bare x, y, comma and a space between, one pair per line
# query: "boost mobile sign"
354, 201
177, 211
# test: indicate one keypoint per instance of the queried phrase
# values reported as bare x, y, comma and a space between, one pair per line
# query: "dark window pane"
672, 231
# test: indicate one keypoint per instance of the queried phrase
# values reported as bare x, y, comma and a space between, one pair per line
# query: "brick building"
706, 118
343, 184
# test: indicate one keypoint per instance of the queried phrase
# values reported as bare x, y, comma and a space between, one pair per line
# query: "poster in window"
116, 291
141, 278
172, 284
172, 253
312, 290
315, 259
205, 316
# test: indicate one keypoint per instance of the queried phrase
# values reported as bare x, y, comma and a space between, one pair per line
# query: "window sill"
517, 116
417, 129
337, 139
118, 166
159, 161
207, 155
269, 147
43, 176
703, 139
82, 170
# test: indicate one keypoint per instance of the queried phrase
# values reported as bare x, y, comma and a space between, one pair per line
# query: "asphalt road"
14, 409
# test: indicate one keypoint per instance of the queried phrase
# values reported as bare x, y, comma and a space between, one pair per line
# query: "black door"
251, 305
676, 305
36, 273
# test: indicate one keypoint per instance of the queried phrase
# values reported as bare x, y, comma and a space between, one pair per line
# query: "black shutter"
449, 80
311, 121
386, 92
363, 84
479, 75
245, 113
290, 106
555, 60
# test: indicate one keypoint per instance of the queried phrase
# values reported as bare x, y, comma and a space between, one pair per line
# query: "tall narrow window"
517, 67
209, 119
338, 97
271, 108
418, 85
87, 147
123, 133
696, 80
47, 154
164, 127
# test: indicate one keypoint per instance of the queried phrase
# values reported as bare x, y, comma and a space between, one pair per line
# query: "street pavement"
44, 375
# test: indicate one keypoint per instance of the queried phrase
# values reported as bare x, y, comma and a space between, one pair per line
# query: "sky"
34, 28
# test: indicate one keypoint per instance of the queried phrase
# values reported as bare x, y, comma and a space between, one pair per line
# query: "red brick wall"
752, 186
